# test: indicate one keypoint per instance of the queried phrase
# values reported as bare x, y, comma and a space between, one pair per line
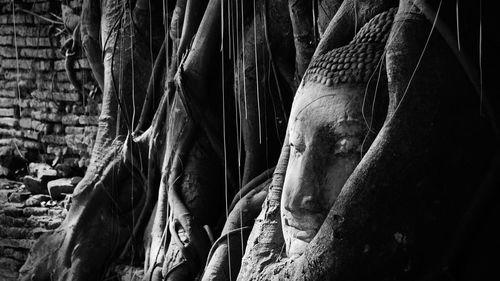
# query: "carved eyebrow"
297, 143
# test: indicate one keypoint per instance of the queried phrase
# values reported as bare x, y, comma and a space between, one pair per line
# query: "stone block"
58, 188
13, 253
14, 210
72, 130
10, 132
8, 112
8, 121
18, 74
17, 243
35, 185
53, 139
7, 93
26, 112
28, 144
25, 123
15, 232
11, 141
26, 31
34, 135
17, 64
57, 96
12, 221
57, 150
35, 211
45, 128
70, 119
43, 116
10, 264
8, 102
46, 53
19, 197
88, 120
36, 200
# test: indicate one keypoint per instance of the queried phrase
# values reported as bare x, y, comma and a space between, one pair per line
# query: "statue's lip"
299, 232
305, 235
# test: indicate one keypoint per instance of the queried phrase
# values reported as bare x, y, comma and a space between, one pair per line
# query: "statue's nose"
301, 184
302, 195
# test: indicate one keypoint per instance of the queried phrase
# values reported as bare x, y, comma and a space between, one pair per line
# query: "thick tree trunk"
375, 228
92, 233
190, 125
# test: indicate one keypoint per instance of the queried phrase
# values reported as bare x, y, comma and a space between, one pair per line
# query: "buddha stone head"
326, 131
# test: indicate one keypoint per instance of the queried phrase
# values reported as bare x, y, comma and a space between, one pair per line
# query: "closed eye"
297, 147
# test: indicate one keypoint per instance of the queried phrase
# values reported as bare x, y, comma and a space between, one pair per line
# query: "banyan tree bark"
92, 232
196, 95
395, 214
177, 158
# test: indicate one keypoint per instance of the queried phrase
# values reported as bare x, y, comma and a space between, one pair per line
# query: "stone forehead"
355, 62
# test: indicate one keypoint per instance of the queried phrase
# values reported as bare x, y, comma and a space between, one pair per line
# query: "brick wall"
43, 117
22, 220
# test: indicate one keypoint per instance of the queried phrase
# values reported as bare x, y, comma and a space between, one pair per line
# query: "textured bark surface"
196, 96
382, 225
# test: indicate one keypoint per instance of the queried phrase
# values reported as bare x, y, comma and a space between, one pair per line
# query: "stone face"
58, 188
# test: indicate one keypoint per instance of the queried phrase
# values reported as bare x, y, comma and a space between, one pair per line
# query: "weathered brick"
8, 121
20, 18
42, 105
65, 87
29, 134
25, 123
17, 243
35, 211
15, 64
57, 150
53, 139
21, 75
26, 112
91, 130
37, 7
58, 96
10, 132
70, 119
9, 40
8, 102
8, 93
42, 127
78, 64
14, 253
88, 120
43, 116
9, 264
12, 221
7, 112
31, 144
24, 31
72, 130
19, 197
15, 232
